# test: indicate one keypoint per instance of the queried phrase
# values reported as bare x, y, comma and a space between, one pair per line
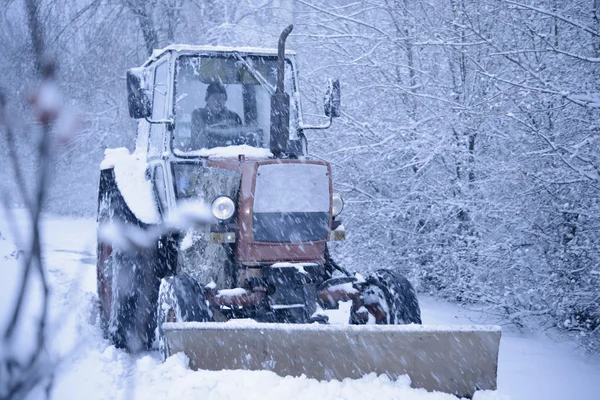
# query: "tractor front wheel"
180, 299
388, 297
133, 301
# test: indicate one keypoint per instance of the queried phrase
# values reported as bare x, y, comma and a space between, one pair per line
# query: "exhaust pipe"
280, 103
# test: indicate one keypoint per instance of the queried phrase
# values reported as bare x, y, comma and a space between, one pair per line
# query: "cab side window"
159, 109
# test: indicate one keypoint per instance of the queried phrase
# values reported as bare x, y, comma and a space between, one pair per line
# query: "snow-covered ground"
531, 365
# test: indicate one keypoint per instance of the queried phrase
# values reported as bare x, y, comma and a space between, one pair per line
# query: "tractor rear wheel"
390, 298
127, 281
104, 285
133, 301
180, 299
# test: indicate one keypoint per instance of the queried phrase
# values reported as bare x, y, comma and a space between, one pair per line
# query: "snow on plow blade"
451, 359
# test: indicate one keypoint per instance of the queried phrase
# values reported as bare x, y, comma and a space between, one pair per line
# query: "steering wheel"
247, 138
228, 123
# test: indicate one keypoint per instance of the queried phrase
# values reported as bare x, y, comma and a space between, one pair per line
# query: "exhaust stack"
280, 103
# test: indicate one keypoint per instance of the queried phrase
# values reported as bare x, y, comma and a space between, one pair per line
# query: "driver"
215, 114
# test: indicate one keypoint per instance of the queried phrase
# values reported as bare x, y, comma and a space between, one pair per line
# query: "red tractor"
224, 126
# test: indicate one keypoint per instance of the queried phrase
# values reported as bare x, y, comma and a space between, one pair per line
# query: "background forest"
467, 151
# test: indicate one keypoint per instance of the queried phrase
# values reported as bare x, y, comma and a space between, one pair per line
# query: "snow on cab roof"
210, 49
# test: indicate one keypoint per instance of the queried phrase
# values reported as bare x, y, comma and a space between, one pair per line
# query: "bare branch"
555, 15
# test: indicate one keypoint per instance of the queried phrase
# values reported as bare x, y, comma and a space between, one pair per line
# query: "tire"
180, 299
104, 285
133, 302
127, 282
397, 296
104, 262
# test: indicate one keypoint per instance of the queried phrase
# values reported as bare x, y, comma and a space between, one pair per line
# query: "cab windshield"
225, 100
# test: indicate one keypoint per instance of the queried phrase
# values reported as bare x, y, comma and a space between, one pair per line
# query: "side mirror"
332, 98
138, 95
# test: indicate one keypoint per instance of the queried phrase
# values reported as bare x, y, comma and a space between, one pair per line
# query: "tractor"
223, 127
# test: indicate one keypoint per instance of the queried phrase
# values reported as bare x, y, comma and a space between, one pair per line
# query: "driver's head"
216, 96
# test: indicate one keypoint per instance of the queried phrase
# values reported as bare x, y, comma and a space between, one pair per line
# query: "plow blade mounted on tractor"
451, 359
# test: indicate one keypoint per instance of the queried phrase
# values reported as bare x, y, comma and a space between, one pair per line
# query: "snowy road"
531, 366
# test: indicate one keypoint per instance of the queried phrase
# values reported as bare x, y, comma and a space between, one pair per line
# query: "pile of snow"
333, 328
68, 306
130, 174
232, 152
299, 266
232, 292
110, 373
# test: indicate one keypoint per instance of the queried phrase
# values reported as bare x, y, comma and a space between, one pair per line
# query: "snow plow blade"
451, 359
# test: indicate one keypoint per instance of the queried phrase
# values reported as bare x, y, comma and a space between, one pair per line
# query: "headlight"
223, 208
338, 205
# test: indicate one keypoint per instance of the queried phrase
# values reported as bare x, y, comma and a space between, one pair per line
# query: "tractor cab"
191, 100
245, 85
195, 104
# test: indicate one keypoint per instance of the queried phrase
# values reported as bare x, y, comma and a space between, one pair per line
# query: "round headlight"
338, 205
223, 208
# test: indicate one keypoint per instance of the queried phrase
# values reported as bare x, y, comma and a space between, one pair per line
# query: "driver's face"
216, 102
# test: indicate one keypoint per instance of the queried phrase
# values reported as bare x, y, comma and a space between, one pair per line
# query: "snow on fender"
130, 175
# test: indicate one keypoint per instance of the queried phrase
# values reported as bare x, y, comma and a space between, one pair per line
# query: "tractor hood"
284, 211
283, 207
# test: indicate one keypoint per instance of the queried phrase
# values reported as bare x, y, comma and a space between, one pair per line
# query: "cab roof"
185, 48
